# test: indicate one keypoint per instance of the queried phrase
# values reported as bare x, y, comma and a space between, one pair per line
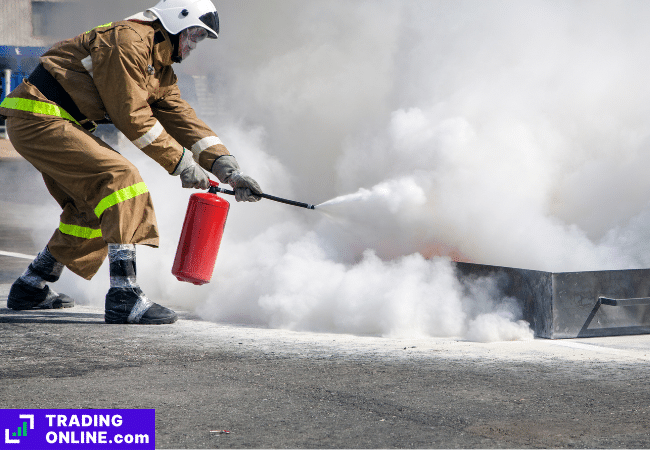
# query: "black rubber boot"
130, 305
23, 296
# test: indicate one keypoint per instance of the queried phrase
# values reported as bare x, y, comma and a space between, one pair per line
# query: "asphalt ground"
281, 389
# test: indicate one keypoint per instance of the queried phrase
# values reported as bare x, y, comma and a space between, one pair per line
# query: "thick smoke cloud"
501, 132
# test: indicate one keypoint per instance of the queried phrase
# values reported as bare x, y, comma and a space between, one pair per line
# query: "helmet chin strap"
176, 56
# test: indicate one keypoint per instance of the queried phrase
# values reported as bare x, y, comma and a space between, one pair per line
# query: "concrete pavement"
280, 389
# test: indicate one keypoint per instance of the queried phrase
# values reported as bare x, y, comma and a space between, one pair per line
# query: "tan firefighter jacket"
122, 71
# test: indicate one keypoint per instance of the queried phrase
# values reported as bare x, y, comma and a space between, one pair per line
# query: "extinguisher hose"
214, 189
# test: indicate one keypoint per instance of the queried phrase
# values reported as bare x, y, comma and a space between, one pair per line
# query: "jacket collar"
162, 51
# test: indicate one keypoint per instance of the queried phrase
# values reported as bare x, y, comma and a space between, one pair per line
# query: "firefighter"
121, 73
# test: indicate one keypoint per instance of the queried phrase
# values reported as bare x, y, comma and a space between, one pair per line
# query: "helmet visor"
211, 20
195, 34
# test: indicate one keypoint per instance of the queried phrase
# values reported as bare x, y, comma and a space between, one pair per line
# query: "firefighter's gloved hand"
226, 169
192, 175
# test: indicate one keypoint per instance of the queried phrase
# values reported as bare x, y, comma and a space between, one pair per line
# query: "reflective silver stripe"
141, 306
149, 136
88, 64
204, 143
124, 282
51, 297
121, 251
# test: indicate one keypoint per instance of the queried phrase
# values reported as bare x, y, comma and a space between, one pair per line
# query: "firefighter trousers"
103, 197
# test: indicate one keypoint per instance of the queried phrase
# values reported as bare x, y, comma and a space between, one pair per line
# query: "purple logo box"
77, 428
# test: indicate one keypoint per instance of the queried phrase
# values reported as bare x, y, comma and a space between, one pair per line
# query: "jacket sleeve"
120, 60
180, 119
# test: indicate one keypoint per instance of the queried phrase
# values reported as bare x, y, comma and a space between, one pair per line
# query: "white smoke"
505, 133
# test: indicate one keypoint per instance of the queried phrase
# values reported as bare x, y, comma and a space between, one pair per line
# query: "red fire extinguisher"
201, 236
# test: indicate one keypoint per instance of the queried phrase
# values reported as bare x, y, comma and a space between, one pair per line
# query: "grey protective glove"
192, 175
226, 169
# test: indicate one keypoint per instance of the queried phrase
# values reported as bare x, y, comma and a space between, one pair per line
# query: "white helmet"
177, 15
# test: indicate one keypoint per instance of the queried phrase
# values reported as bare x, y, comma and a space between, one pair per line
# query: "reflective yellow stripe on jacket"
100, 26
108, 201
120, 196
36, 107
80, 232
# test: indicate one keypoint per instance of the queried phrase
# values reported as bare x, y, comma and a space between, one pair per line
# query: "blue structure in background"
17, 63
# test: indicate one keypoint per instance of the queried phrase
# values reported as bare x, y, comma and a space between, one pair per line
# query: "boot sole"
22, 304
35, 308
61, 306
161, 321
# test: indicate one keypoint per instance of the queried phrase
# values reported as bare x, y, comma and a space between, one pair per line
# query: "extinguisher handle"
225, 191
214, 187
